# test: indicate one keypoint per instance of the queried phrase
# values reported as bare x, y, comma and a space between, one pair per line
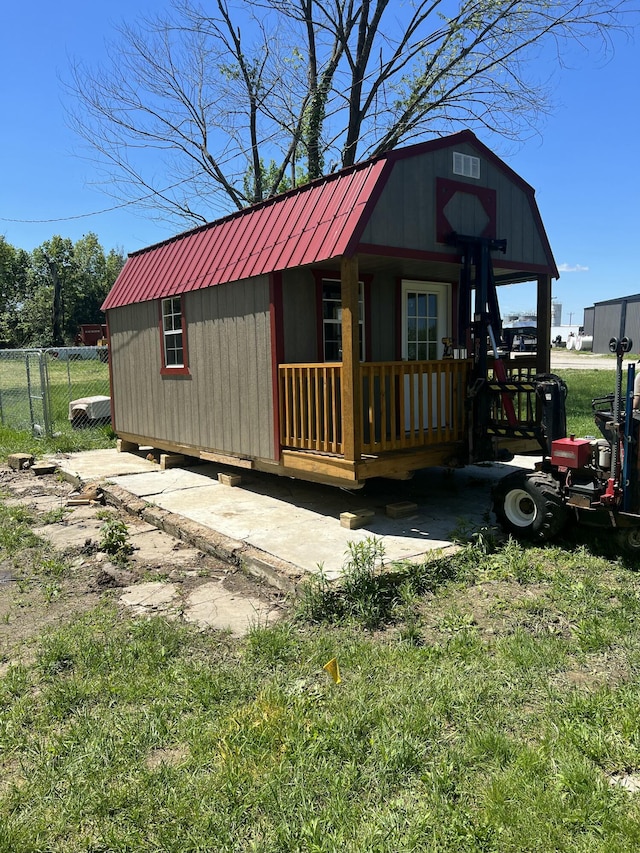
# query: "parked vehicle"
595, 482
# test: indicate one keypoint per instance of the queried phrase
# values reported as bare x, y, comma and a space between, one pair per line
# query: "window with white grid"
465, 164
332, 320
172, 332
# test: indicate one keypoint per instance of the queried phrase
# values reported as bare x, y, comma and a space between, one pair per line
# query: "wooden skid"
330, 469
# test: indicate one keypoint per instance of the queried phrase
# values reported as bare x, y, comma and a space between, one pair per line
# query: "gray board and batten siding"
226, 403
405, 214
300, 324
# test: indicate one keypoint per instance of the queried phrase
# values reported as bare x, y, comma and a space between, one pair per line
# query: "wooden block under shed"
229, 479
353, 520
170, 460
401, 509
123, 446
19, 461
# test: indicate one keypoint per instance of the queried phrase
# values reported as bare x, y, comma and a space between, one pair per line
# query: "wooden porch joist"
323, 464
397, 464
401, 462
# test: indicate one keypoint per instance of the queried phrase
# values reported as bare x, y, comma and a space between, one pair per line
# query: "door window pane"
422, 325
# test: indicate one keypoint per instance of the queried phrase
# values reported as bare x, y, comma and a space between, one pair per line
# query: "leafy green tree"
93, 275
55, 288
51, 280
311, 85
14, 272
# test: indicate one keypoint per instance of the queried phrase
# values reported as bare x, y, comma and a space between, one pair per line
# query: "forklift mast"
491, 409
477, 274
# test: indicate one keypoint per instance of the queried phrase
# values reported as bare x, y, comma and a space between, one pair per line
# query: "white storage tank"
584, 343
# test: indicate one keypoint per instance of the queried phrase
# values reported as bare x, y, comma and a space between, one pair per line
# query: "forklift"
589, 481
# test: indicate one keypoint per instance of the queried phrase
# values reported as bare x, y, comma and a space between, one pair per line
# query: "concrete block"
120, 498
353, 520
172, 524
123, 446
155, 515
40, 468
18, 461
170, 460
229, 479
401, 509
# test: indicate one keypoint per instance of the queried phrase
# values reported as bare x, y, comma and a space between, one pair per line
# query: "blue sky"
585, 166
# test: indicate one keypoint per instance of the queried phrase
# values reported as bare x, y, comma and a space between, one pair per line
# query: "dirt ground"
161, 575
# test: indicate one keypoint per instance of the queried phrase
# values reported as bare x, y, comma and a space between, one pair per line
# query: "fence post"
44, 387
31, 415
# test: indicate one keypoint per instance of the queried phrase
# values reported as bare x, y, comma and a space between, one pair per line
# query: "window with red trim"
174, 349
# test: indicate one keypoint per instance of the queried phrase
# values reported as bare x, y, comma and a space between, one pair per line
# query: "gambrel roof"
311, 224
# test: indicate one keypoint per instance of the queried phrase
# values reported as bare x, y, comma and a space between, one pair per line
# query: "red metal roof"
310, 224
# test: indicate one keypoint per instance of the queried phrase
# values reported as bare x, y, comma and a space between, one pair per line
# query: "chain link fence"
37, 387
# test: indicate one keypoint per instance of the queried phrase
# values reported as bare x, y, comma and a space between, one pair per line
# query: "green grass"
488, 699
67, 441
496, 727
584, 386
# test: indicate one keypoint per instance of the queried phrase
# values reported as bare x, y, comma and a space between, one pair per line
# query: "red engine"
571, 452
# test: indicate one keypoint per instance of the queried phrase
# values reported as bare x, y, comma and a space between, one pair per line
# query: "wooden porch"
410, 414
350, 420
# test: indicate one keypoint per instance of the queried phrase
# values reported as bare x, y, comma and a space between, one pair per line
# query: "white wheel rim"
519, 508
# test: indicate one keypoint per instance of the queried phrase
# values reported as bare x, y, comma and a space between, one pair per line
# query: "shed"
320, 334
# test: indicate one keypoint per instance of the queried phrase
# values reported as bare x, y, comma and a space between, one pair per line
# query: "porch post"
351, 402
543, 332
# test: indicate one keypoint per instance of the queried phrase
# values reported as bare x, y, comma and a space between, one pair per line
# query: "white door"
426, 309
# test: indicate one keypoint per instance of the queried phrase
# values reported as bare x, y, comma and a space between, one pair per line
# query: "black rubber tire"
529, 505
628, 539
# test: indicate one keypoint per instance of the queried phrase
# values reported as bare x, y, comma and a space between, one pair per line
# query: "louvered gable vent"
466, 165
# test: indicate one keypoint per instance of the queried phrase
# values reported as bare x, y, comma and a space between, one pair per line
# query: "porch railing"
311, 407
412, 403
404, 405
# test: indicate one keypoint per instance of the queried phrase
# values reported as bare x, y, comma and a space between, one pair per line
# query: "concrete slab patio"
290, 527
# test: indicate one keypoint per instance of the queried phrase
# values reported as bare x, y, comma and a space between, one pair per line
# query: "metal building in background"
613, 318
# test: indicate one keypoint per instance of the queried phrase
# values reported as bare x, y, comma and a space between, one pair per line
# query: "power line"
95, 212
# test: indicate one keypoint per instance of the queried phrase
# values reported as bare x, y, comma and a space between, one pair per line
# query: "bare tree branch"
221, 106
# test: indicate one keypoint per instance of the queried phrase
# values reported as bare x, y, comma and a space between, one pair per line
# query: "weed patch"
15, 530
114, 539
368, 592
